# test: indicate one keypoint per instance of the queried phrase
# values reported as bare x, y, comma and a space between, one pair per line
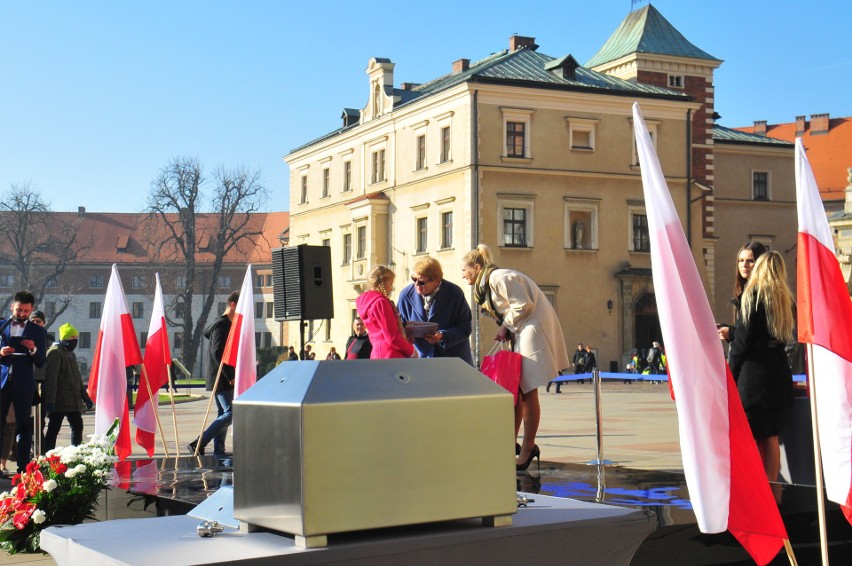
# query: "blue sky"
98, 96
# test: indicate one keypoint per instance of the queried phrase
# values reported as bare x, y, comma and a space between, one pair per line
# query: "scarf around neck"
482, 292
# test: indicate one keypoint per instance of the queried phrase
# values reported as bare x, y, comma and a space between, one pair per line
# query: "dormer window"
675, 81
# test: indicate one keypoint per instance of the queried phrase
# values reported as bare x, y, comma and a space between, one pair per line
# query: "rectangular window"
138, 309
446, 230
96, 282
422, 234
178, 342
303, 196
95, 310
515, 139
268, 280
52, 283
143, 339
224, 281
257, 339
325, 182
270, 309
347, 248
421, 152
326, 242
361, 249
258, 280
7, 280
267, 339
760, 185
258, 310
676, 81
85, 340
180, 309
378, 171
445, 144
347, 176
641, 238
138, 282
515, 227
180, 281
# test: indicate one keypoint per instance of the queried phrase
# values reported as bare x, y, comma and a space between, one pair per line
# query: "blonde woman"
381, 317
757, 358
526, 317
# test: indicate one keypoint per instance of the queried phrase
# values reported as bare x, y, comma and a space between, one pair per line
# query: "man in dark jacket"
217, 333
430, 298
64, 394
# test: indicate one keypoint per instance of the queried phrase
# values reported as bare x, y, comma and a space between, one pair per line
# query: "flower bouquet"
61, 487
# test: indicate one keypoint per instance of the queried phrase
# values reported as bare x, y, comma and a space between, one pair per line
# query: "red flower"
22, 515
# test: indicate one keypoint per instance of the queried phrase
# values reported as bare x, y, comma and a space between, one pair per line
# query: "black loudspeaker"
301, 283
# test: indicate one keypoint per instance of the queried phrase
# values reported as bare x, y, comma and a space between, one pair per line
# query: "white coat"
531, 318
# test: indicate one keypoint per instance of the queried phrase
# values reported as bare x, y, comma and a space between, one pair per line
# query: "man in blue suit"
430, 298
22, 347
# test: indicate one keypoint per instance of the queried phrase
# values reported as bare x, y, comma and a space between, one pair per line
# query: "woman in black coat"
758, 360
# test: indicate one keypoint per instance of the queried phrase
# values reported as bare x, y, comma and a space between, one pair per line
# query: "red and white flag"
116, 349
239, 349
727, 485
157, 360
825, 320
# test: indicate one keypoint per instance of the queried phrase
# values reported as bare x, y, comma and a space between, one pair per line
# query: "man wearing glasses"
431, 299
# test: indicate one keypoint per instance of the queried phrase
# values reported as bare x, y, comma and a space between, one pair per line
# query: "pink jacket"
382, 324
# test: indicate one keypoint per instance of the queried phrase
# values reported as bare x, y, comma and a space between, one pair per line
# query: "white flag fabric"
240, 347
156, 363
727, 484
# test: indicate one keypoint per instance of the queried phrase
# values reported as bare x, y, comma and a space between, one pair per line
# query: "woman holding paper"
758, 360
381, 317
526, 319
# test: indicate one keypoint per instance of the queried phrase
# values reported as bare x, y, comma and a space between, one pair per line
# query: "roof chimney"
81, 211
520, 42
409, 86
819, 123
760, 127
800, 125
460, 66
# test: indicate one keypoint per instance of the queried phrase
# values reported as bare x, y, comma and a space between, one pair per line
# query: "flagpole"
209, 406
156, 417
823, 537
790, 555
174, 411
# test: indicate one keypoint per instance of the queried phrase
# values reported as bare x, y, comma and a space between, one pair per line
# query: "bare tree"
178, 197
38, 247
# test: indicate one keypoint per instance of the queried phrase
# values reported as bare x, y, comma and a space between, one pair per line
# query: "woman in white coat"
526, 317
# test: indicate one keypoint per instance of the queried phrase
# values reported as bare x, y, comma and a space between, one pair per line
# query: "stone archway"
634, 285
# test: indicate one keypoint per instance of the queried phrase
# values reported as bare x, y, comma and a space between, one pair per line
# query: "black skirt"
767, 422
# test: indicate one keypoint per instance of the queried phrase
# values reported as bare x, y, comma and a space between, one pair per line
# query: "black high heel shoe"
517, 449
534, 453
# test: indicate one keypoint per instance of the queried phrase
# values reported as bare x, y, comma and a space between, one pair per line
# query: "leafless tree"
38, 246
178, 199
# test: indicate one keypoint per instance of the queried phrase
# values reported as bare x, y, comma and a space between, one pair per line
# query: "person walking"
381, 317
758, 360
217, 333
528, 321
430, 298
65, 397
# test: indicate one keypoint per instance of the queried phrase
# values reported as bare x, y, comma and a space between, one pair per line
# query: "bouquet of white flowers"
61, 487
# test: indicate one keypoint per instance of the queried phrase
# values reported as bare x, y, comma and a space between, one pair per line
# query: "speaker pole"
302, 325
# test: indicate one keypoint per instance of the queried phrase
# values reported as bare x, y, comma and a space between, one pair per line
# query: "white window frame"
587, 125
357, 252
633, 210
418, 248
326, 182
445, 121
675, 81
522, 115
516, 201
378, 164
583, 206
347, 176
347, 248
443, 243
303, 188
653, 126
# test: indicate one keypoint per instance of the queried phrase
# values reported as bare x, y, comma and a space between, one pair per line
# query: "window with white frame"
581, 224
446, 229
515, 222
361, 242
760, 185
652, 131
326, 180
347, 175
7, 280
378, 166
675, 81
95, 309
96, 282
138, 282
581, 133
138, 309
224, 281
180, 281
420, 161
517, 128
422, 234
303, 194
639, 240
550, 293
445, 144
258, 309
347, 248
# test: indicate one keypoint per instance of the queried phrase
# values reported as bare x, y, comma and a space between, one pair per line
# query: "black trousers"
54, 423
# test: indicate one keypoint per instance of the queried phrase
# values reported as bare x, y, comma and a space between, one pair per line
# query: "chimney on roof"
409, 86
819, 123
760, 127
81, 211
521, 42
800, 125
460, 66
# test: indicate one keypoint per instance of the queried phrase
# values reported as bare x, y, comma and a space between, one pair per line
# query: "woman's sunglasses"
419, 282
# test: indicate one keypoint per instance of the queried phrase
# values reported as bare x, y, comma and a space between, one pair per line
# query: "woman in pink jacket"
381, 317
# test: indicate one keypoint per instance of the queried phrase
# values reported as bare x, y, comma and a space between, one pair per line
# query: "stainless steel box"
335, 446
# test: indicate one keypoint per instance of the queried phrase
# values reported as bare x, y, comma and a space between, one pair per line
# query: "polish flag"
825, 320
727, 484
156, 361
239, 349
117, 349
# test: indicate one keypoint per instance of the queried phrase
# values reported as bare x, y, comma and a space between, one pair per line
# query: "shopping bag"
504, 369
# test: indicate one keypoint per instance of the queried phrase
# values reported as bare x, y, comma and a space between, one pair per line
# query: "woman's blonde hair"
480, 256
768, 284
377, 277
430, 268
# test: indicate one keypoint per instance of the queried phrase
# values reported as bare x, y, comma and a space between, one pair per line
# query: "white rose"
39, 516
80, 468
70, 472
49, 485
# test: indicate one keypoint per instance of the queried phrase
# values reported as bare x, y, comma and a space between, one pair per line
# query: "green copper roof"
723, 134
646, 31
